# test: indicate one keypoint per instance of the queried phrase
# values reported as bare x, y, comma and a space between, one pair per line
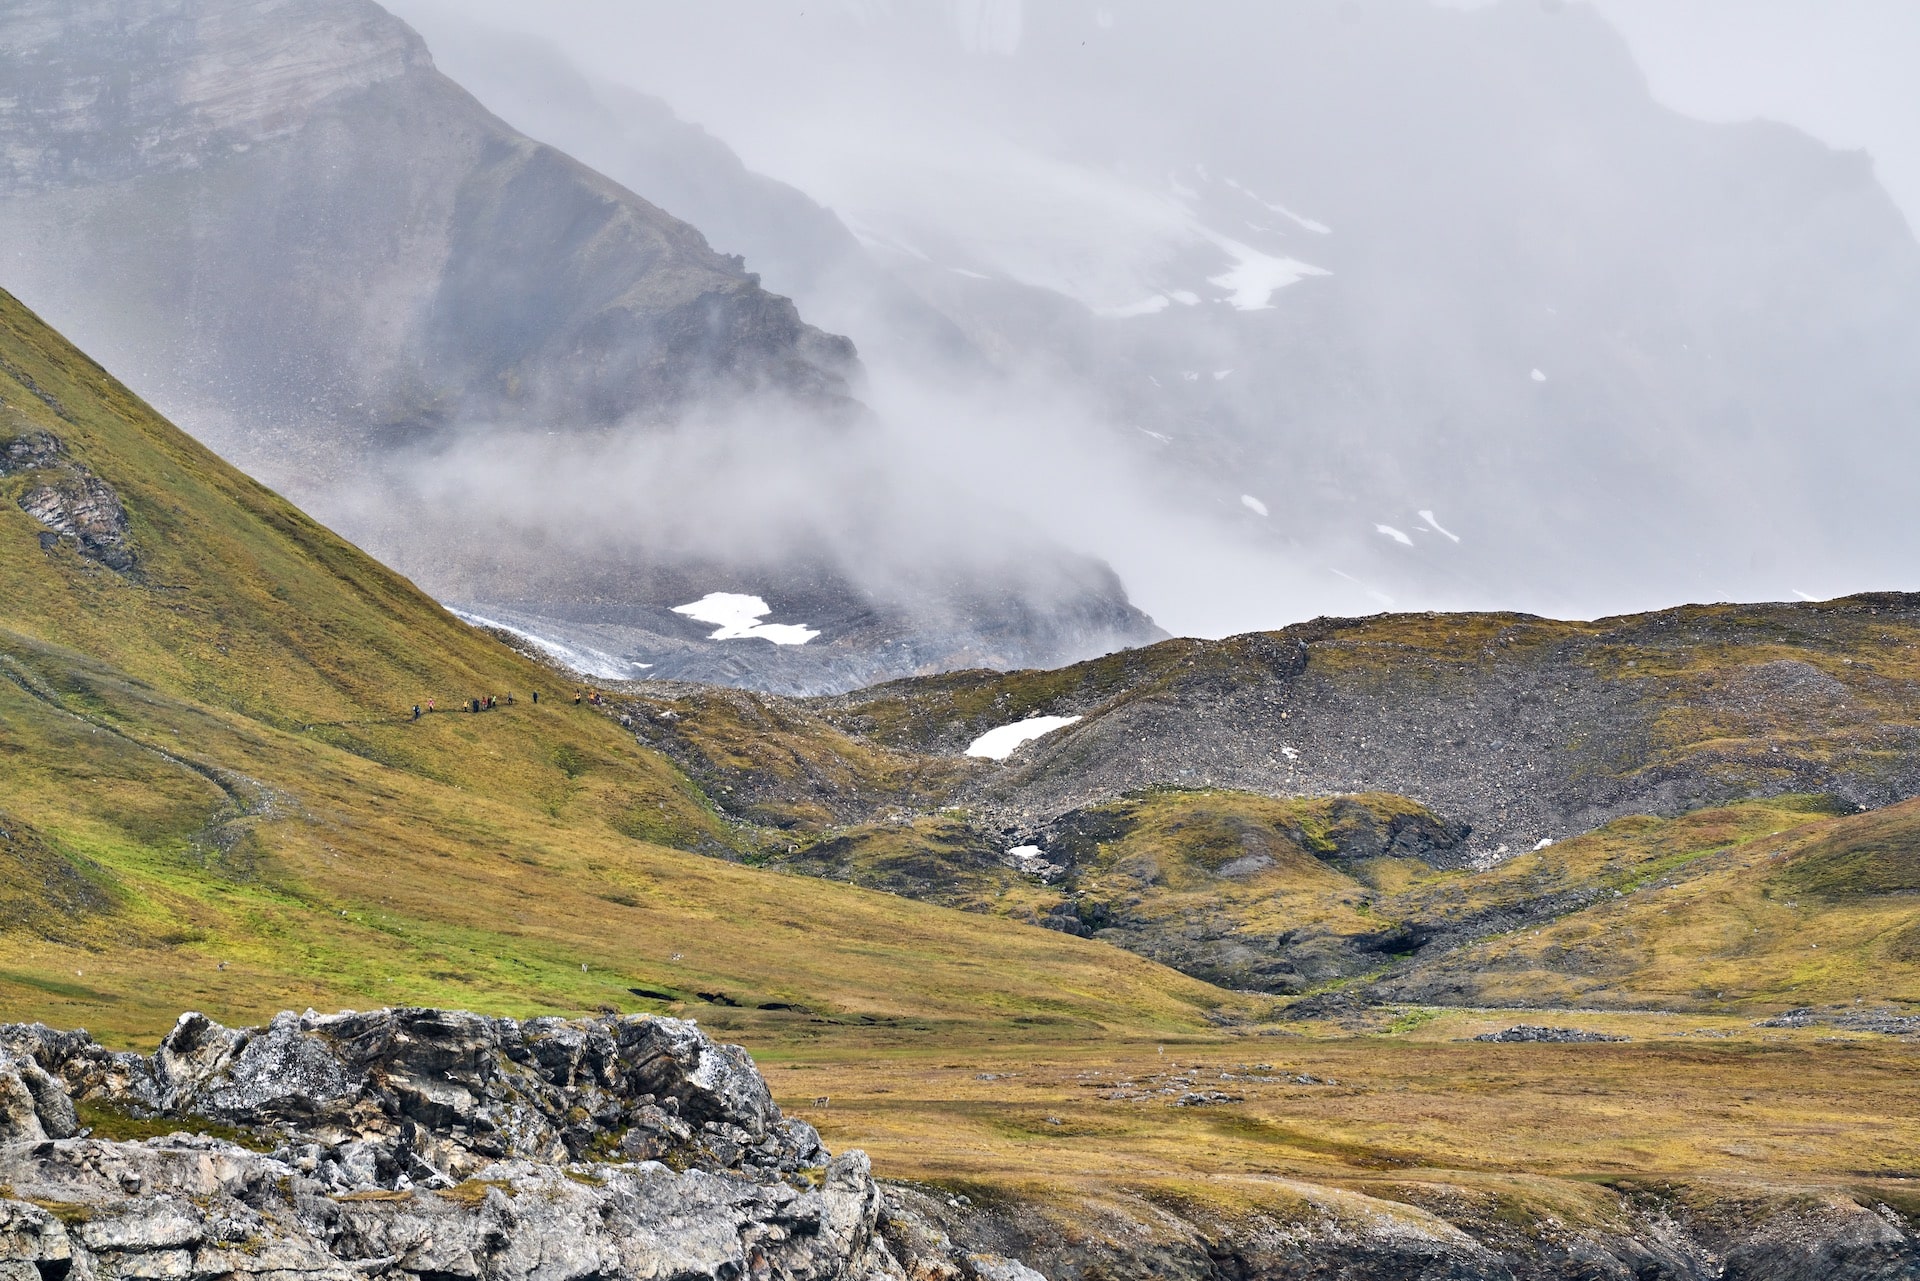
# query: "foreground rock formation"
423, 1143
428, 1145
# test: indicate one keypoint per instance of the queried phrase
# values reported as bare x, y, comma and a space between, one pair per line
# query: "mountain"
532, 390
216, 789
214, 793
798, 247
1281, 810
1369, 305
278, 267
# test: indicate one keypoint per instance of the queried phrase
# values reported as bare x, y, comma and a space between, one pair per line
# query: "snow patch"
1396, 535
1253, 504
1544, 842
1291, 753
586, 661
738, 617
1538, 377
1185, 297
1255, 277
998, 744
1220, 374
1024, 851
1436, 527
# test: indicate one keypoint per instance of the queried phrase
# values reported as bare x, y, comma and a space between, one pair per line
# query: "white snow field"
1255, 277
998, 744
738, 618
1253, 504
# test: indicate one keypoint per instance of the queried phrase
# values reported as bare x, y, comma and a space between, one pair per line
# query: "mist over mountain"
1353, 305
779, 407
545, 398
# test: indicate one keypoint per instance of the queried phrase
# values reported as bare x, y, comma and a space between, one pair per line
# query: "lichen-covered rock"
72, 502
426, 1144
31, 451
432, 1095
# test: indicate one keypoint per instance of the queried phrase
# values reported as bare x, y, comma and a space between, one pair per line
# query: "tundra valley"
966, 641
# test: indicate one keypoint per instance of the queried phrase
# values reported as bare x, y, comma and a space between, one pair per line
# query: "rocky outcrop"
70, 500
427, 1145
1422, 1231
1527, 1033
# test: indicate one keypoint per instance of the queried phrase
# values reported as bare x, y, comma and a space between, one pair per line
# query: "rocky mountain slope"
1285, 809
525, 385
494, 257
798, 247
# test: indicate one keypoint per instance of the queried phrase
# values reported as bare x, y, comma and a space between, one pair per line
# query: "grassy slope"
207, 769
1758, 907
217, 748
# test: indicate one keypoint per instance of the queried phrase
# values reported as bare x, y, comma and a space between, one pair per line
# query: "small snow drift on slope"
738, 616
998, 744
1434, 524
1397, 535
1253, 504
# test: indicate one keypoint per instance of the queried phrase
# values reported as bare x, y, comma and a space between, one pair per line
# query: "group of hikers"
487, 703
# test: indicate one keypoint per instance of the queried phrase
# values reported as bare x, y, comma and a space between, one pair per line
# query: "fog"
1275, 309
1317, 307
1840, 69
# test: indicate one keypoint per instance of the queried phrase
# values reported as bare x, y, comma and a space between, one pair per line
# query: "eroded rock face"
397, 1098
72, 502
424, 1143
83, 509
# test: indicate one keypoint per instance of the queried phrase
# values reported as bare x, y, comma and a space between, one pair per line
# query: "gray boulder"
424, 1144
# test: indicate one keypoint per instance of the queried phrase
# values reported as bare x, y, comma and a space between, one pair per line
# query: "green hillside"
217, 795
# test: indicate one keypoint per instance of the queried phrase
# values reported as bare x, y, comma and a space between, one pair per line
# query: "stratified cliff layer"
307, 224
